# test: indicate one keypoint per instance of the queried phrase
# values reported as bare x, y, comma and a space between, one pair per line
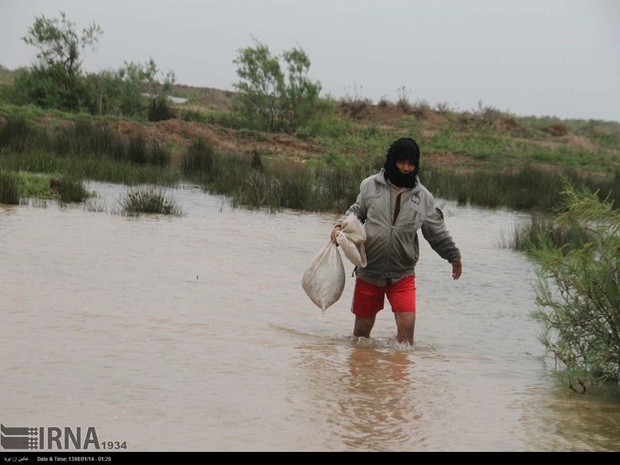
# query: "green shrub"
70, 191
578, 291
36, 185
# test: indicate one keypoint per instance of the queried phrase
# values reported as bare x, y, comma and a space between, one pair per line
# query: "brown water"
193, 334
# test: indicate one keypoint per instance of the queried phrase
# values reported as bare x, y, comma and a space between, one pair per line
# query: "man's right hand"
333, 234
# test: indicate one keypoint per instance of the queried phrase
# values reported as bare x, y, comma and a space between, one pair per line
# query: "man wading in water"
393, 205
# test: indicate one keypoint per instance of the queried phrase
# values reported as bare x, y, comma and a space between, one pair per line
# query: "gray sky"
526, 57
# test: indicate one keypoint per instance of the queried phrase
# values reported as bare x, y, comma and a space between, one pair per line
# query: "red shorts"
368, 299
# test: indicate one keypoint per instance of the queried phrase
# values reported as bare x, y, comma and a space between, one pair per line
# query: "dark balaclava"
402, 149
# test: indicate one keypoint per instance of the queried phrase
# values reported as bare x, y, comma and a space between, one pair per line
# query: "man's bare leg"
363, 326
405, 326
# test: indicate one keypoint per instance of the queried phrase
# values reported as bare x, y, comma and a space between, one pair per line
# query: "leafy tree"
578, 290
55, 79
139, 88
269, 98
301, 94
103, 91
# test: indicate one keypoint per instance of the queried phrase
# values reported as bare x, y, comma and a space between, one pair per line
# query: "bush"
70, 190
578, 291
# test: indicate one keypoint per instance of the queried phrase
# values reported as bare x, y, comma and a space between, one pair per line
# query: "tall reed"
9, 191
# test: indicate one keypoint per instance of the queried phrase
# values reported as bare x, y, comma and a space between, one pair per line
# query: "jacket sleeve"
436, 233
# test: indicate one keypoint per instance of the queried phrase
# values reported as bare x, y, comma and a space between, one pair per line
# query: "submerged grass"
149, 199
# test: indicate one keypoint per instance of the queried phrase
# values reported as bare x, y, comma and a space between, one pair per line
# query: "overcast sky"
526, 57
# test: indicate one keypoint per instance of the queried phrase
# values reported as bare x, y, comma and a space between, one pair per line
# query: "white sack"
324, 279
351, 238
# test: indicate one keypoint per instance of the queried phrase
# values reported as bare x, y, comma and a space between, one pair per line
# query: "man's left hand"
457, 268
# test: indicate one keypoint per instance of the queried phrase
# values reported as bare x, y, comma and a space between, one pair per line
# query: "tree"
301, 94
55, 79
578, 290
269, 98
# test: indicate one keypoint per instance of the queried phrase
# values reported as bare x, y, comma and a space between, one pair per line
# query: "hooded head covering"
402, 149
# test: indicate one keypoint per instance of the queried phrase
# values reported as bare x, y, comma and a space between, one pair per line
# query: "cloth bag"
351, 238
324, 279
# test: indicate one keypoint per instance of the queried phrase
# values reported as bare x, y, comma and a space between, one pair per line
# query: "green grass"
504, 161
16, 187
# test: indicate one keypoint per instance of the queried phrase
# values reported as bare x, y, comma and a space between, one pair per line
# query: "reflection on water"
193, 334
378, 398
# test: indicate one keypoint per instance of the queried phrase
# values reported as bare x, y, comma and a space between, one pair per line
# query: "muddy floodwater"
193, 333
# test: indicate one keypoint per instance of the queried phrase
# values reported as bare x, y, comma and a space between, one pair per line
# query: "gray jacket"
392, 251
